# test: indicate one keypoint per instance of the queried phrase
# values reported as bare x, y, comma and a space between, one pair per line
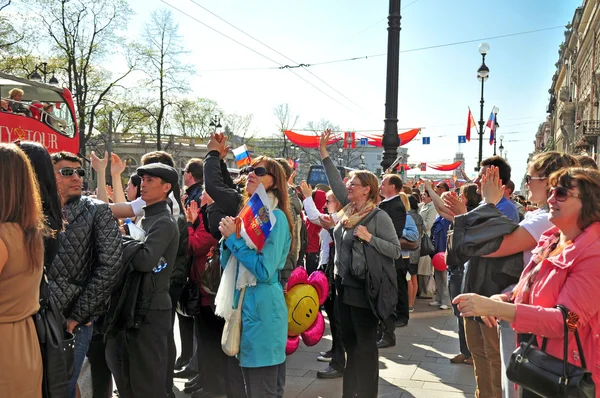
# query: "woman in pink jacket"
563, 270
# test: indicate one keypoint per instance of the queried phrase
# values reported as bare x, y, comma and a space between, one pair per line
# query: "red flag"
470, 125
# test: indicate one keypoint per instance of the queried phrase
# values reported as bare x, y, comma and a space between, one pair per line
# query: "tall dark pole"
481, 122
390, 129
496, 125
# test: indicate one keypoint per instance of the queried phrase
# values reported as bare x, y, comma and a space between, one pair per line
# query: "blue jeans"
455, 280
83, 337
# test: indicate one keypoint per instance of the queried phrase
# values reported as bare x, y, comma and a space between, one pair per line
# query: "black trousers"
401, 314
236, 388
338, 361
212, 361
102, 386
137, 358
186, 335
265, 382
359, 333
312, 262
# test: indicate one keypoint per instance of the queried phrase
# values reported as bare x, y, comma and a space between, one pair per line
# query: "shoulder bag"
427, 248
56, 343
211, 275
189, 302
409, 245
535, 370
232, 332
359, 270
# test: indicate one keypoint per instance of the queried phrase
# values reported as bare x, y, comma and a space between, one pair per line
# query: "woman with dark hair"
133, 188
264, 311
362, 227
563, 270
44, 172
22, 228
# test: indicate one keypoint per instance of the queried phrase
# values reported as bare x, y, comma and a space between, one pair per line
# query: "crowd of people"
42, 111
122, 265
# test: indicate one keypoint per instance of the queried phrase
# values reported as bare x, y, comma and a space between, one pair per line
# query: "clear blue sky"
436, 85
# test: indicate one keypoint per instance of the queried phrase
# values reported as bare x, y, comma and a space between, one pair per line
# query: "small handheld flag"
491, 124
242, 156
470, 125
257, 218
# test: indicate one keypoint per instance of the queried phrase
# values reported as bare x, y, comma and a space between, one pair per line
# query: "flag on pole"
470, 125
257, 218
491, 124
242, 156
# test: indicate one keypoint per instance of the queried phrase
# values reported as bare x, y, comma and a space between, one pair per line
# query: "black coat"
222, 190
397, 212
88, 265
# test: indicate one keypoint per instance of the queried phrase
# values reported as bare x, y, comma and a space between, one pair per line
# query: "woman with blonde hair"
22, 229
362, 229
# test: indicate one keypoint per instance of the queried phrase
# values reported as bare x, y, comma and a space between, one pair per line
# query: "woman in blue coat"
264, 311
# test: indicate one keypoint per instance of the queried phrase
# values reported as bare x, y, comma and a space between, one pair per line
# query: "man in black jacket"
390, 188
88, 265
138, 355
193, 179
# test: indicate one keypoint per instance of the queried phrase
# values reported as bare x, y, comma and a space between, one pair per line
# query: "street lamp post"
496, 125
482, 75
501, 146
362, 162
215, 122
390, 129
36, 76
340, 157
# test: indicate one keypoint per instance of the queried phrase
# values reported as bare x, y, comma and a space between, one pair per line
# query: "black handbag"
190, 301
211, 275
56, 344
427, 248
535, 370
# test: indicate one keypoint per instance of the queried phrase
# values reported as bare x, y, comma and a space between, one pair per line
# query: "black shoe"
329, 373
193, 385
192, 381
186, 373
385, 343
400, 324
171, 395
181, 363
201, 393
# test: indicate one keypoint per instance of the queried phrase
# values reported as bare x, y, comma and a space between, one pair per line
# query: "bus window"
61, 120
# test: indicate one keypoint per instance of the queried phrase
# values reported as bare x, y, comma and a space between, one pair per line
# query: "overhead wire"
306, 65
254, 51
279, 53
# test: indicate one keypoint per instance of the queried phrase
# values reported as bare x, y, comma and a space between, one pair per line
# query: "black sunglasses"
69, 171
561, 193
258, 171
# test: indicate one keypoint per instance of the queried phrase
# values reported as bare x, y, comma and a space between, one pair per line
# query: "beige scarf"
350, 215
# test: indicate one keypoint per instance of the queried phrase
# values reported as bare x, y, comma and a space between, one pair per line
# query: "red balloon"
439, 261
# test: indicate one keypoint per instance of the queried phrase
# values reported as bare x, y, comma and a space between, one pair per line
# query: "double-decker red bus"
55, 128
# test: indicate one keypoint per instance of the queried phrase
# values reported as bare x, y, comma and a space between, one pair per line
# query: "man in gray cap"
141, 368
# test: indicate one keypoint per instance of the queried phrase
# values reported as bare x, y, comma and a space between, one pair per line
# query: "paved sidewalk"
418, 366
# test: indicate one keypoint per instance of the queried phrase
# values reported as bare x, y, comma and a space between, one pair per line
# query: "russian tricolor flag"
242, 156
257, 218
491, 124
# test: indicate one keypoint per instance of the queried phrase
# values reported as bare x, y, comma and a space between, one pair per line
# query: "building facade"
573, 124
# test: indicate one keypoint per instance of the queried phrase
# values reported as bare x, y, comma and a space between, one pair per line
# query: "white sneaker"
444, 307
435, 304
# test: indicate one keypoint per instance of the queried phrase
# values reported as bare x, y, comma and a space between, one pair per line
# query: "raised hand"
454, 205
492, 189
306, 190
325, 137
327, 221
216, 143
291, 179
117, 166
191, 212
99, 164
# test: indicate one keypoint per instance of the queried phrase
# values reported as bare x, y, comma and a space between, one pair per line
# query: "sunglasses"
528, 178
561, 193
69, 171
258, 171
